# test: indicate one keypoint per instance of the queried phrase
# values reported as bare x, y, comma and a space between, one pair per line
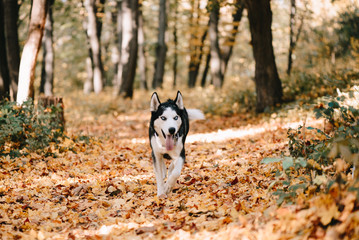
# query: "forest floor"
105, 187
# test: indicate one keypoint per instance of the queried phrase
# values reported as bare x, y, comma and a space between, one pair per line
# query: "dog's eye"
163, 118
175, 118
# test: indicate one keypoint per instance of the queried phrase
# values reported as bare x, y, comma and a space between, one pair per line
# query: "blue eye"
175, 118
163, 118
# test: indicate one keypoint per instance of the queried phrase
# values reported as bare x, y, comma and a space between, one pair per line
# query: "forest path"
107, 188
222, 182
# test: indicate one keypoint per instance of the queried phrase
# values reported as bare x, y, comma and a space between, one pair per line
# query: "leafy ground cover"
104, 188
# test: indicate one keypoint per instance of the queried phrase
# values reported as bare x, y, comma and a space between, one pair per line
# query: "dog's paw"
167, 188
162, 196
162, 193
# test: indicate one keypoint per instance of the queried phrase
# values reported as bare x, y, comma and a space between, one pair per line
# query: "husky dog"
169, 127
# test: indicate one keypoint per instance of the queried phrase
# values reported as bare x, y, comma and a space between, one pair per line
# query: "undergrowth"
320, 157
26, 128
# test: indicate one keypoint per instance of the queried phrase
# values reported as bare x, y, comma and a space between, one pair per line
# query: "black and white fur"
169, 127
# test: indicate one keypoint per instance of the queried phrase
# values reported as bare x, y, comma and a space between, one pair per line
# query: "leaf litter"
105, 189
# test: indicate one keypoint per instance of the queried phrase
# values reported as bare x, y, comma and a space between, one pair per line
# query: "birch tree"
31, 50
93, 31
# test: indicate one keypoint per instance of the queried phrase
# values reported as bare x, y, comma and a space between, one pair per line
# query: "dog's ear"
179, 100
155, 102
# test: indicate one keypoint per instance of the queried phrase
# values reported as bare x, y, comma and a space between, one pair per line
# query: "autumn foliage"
99, 182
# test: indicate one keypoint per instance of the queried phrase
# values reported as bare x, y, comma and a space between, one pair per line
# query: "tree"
229, 42
216, 57
47, 70
118, 43
175, 47
268, 85
161, 48
93, 30
129, 47
4, 70
11, 15
31, 50
142, 63
198, 36
205, 71
116, 48
293, 38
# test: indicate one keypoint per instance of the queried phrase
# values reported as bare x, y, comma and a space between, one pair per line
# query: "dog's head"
166, 118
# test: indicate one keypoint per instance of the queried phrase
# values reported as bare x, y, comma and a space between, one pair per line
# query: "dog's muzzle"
170, 139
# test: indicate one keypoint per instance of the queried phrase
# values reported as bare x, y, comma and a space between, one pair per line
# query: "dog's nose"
171, 130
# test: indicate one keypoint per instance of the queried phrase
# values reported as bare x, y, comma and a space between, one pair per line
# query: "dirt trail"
108, 188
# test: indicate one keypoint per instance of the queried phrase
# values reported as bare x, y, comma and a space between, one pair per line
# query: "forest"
276, 157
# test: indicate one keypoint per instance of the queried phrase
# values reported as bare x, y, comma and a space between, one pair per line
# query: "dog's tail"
195, 114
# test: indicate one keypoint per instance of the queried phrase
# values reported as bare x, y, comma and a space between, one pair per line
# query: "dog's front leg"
170, 168
174, 174
164, 169
158, 165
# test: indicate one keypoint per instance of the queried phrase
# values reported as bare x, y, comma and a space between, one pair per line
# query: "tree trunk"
118, 67
195, 62
293, 38
175, 42
216, 58
129, 46
4, 70
100, 11
93, 35
195, 48
205, 71
31, 50
161, 48
268, 84
88, 85
142, 63
11, 15
47, 71
230, 41
291, 34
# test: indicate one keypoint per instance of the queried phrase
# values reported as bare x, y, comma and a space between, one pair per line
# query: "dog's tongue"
169, 142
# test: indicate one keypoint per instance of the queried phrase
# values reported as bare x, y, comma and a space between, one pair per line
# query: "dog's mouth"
170, 141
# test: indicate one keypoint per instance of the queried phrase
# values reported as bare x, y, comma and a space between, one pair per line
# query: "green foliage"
309, 148
343, 115
348, 28
306, 85
313, 152
25, 128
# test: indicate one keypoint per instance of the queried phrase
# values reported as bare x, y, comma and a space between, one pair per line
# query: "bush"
348, 28
25, 128
316, 156
309, 86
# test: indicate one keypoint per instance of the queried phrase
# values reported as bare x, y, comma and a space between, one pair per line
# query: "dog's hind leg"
174, 174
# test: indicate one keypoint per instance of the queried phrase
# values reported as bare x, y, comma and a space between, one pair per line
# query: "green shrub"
348, 28
25, 128
310, 166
